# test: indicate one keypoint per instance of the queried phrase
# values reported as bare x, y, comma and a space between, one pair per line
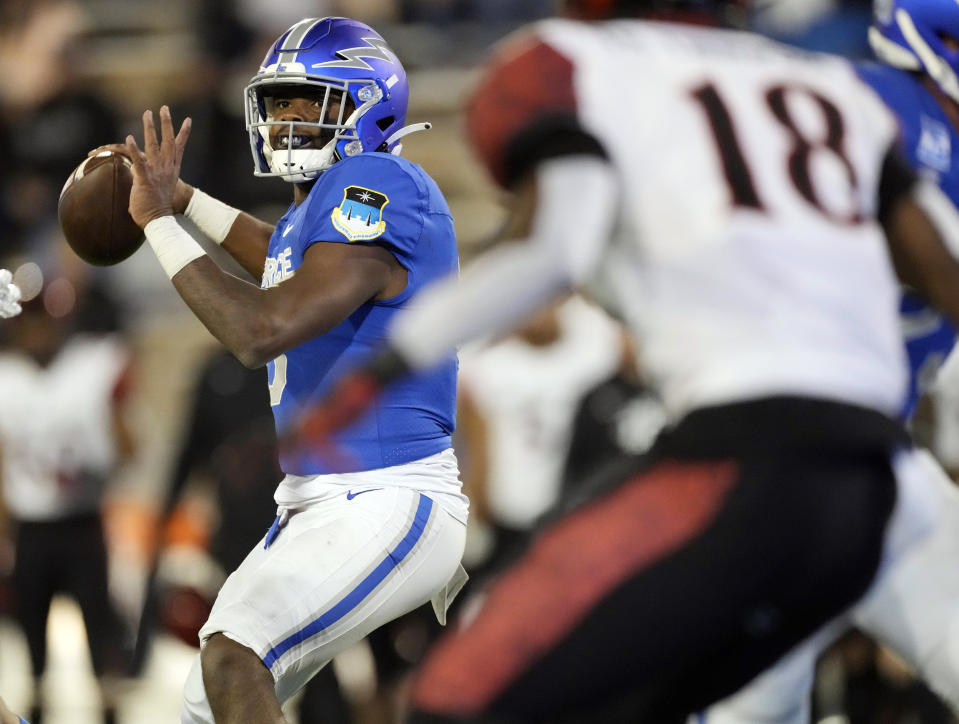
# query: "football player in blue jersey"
915, 608
379, 531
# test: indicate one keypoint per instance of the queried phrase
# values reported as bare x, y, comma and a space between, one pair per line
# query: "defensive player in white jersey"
9, 307
914, 609
740, 191
380, 531
63, 436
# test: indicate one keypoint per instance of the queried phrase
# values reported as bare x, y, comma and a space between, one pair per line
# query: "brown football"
93, 210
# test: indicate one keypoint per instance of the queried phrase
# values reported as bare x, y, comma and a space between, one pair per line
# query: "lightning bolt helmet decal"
376, 48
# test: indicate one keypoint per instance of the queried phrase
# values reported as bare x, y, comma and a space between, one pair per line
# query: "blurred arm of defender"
922, 230
565, 210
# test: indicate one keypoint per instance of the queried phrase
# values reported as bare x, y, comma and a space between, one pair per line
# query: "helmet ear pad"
382, 120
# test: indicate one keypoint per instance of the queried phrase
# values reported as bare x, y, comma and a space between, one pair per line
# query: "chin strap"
405, 131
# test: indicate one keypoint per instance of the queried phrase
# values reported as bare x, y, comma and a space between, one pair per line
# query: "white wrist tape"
173, 246
212, 217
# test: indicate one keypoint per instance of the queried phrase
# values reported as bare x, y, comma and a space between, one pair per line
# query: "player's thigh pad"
914, 607
338, 569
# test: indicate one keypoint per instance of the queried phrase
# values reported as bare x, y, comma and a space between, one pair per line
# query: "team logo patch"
359, 217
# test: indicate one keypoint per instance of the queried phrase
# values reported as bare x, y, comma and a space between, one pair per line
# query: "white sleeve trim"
211, 216
576, 205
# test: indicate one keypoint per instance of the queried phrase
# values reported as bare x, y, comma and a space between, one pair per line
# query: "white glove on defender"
9, 295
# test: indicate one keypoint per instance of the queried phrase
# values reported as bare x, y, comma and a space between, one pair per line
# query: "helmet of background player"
919, 35
342, 63
605, 9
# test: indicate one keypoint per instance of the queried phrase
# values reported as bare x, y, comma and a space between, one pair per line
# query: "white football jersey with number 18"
749, 186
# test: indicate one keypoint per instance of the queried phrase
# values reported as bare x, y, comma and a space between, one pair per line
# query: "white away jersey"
56, 430
747, 260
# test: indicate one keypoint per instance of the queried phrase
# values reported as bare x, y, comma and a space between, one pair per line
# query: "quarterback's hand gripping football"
156, 170
9, 295
181, 197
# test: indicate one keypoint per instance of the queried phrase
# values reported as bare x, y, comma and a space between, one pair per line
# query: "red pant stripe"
564, 574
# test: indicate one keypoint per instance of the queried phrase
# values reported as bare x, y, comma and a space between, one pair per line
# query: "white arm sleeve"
576, 206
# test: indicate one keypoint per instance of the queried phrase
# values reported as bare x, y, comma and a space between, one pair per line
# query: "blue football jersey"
370, 198
932, 147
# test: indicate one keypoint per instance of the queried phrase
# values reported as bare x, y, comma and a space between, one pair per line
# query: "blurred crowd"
181, 490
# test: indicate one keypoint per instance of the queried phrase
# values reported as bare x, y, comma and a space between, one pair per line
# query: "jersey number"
736, 168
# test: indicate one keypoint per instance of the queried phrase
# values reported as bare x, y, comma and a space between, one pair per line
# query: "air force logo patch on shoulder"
359, 217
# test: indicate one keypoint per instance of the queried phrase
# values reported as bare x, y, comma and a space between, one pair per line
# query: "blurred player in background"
64, 434
738, 190
518, 398
10, 296
381, 531
915, 608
